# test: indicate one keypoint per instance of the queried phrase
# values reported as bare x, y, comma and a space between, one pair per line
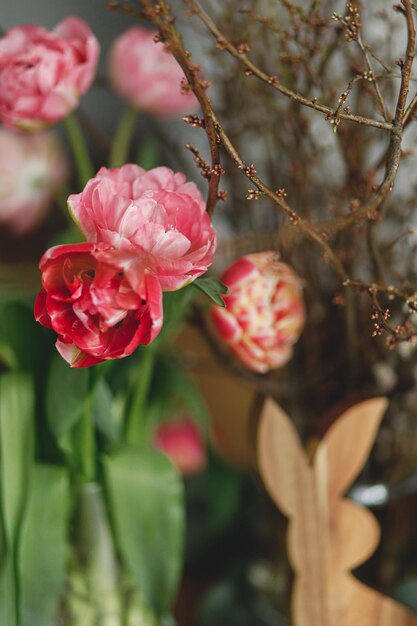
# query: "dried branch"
278, 197
393, 155
372, 76
272, 81
406, 66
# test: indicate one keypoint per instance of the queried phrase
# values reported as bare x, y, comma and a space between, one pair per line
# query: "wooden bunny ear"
346, 445
282, 462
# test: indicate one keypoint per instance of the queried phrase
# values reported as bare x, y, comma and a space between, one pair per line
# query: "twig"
407, 64
273, 81
278, 198
371, 72
411, 109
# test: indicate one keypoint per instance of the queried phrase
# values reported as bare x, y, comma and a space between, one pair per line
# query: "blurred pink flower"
32, 168
154, 222
92, 306
181, 440
43, 74
264, 312
145, 74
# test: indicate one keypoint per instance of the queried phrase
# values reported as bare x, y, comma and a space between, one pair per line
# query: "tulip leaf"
16, 441
18, 334
104, 414
213, 288
16, 444
65, 396
145, 494
176, 307
43, 549
8, 612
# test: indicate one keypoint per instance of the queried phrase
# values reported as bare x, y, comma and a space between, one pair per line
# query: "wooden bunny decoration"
328, 535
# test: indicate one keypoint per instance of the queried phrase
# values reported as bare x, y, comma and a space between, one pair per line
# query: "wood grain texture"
328, 534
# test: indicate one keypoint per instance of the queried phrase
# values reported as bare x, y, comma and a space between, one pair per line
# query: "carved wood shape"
328, 534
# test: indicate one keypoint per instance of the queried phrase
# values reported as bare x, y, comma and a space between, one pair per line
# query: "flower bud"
264, 312
44, 73
181, 441
145, 74
32, 168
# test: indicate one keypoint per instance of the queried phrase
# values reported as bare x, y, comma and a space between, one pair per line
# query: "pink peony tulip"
43, 74
93, 307
264, 313
32, 168
153, 221
182, 443
145, 74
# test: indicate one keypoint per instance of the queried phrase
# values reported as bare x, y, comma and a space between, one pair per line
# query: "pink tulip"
145, 74
32, 168
264, 312
92, 306
153, 221
181, 441
43, 74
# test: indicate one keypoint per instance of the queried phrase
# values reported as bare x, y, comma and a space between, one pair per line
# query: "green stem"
148, 154
121, 143
135, 425
85, 169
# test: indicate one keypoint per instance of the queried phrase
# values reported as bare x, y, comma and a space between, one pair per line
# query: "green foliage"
176, 308
19, 336
223, 488
174, 391
138, 416
65, 396
146, 503
16, 442
213, 288
70, 235
43, 548
16, 432
104, 413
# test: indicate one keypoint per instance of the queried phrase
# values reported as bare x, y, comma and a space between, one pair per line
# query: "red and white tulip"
264, 312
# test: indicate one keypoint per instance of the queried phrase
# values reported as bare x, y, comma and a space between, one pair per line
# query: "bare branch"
273, 81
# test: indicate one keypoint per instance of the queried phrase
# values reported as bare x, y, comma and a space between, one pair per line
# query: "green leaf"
175, 391
16, 450
146, 503
70, 235
8, 609
223, 491
65, 396
212, 287
136, 423
18, 336
176, 306
104, 415
43, 549
16, 447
